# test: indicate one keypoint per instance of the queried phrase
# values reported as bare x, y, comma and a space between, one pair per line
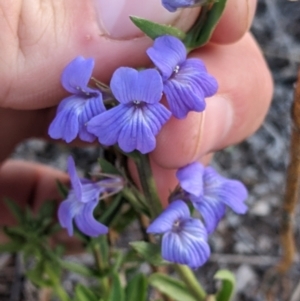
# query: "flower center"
176, 226
138, 104
84, 92
176, 69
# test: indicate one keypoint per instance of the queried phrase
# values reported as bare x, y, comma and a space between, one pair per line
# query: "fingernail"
217, 122
113, 16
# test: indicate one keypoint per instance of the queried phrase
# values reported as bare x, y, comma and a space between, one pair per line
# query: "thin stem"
56, 285
189, 278
148, 185
291, 188
104, 281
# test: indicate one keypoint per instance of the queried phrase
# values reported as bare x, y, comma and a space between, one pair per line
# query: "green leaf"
47, 210
136, 289
204, 27
228, 285
171, 287
149, 252
123, 219
136, 200
15, 210
109, 212
107, 167
36, 275
83, 293
154, 30
11, 247
116, 292
62, 189
77, 268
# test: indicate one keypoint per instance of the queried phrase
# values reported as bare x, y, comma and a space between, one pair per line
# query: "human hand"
40, 39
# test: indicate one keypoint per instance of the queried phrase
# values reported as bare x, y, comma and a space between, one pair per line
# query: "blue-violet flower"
172, 5
186, 81
184, 238
135, 122
210, 193
75, 111
82, 200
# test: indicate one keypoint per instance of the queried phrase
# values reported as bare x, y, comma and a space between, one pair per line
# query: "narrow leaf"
154, 30
83, 293
228, 285
107, 167
149, 252
15, 210
77, 268
11, 247
116, 292
204, 27
136, 289
62, 189
171, 287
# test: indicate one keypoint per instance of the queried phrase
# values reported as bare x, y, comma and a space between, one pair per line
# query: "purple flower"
135, 122
184, 238
212, 193
75, 111
186, 81
81, 202
172, 5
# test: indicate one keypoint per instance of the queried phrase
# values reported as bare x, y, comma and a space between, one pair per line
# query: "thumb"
40, 40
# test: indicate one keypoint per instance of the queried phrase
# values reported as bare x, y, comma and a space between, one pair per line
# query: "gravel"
247, 245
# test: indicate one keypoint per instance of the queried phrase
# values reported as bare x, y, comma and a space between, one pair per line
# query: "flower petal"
91, 191
188, 246
77, 74
183, 98
140, 130
190, 178
130, 85
156, 115
173, 5
166, 53
75, 181
92, 107
66, 212
65, 125
136, 134
107, 125
193, 71
211, 209
232, 193
177, 210
86, 222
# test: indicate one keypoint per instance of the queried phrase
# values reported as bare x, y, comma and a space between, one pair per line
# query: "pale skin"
38, 38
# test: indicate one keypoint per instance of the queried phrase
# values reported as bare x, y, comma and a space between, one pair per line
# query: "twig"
291, 189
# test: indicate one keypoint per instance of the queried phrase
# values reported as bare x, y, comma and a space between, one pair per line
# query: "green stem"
189, 278
104, 281
148, 185
56, 285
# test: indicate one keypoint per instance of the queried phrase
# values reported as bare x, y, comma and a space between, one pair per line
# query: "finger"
235, 21
245, 90
48, 37
21, 125
27, 184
